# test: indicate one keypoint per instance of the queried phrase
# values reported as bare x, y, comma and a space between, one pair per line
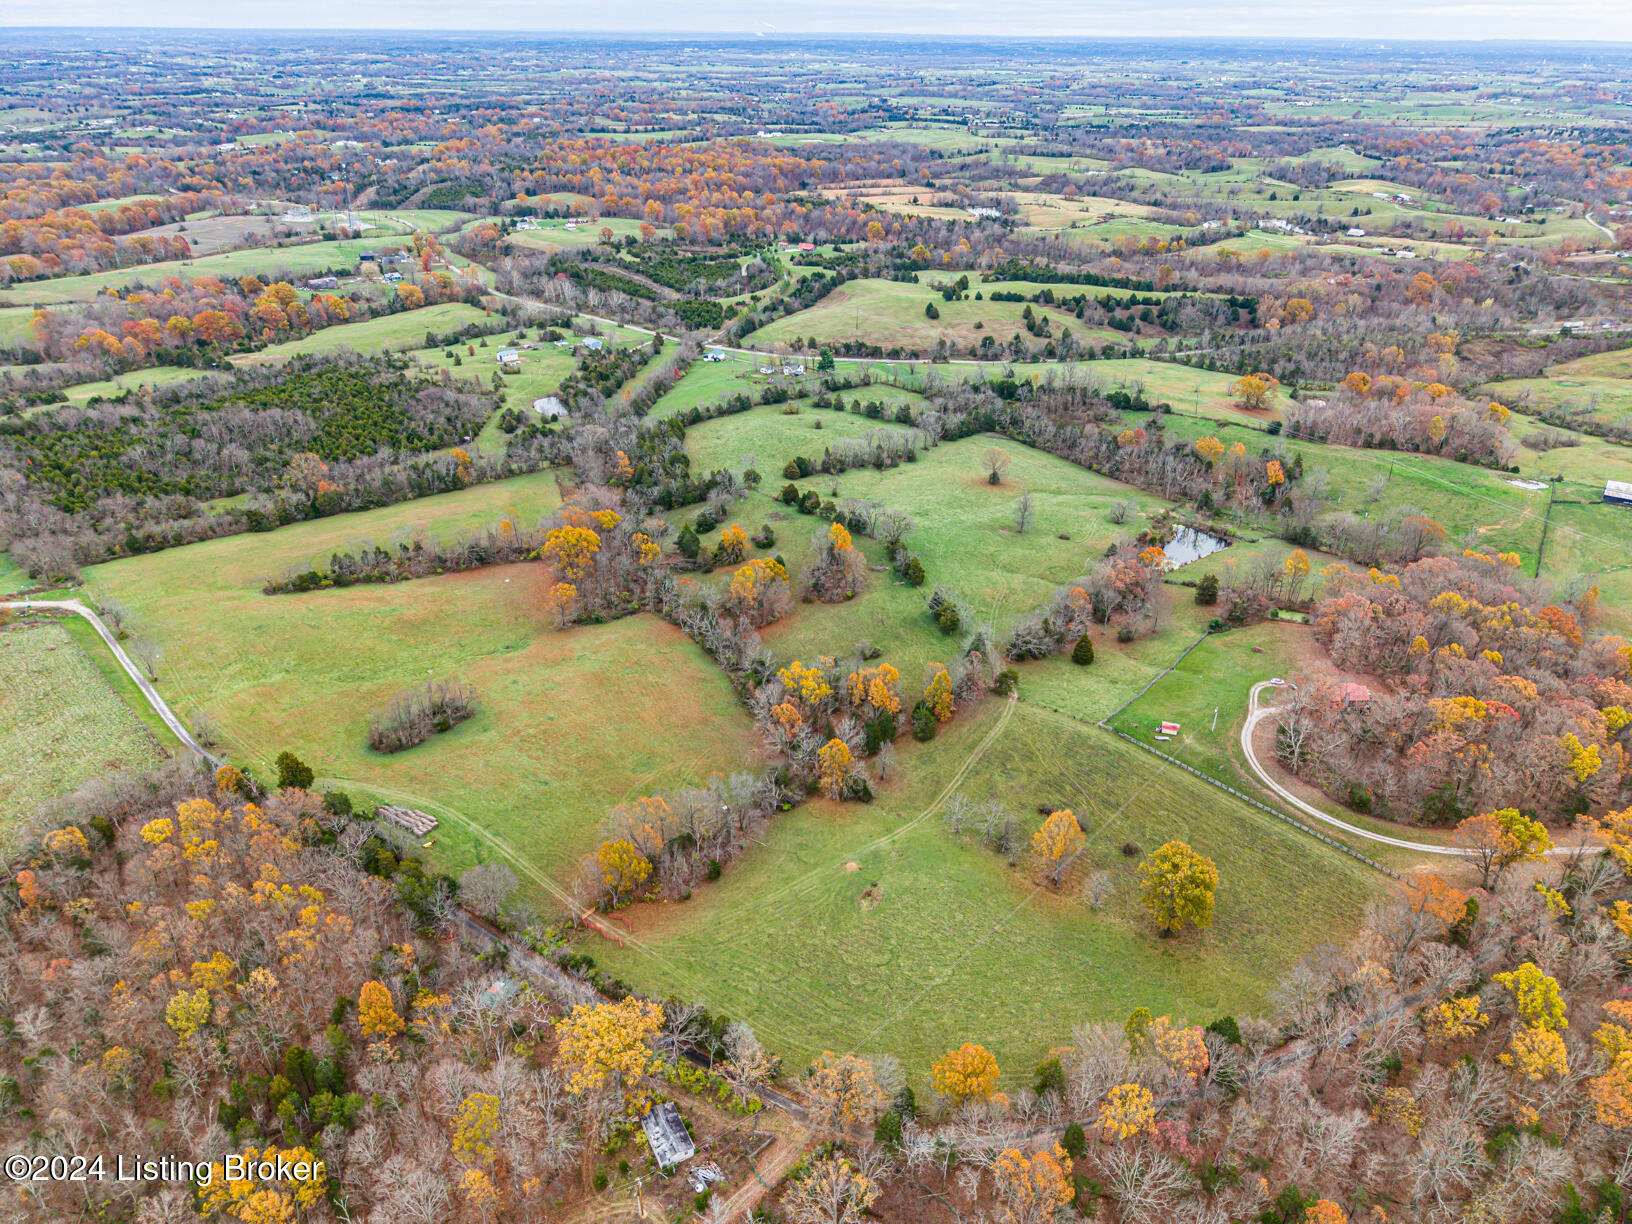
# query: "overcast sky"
1572, 20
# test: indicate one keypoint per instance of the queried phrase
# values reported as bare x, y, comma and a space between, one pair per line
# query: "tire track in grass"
799, 886
969, 949
747, 926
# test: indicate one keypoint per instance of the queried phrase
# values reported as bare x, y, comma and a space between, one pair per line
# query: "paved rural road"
1255, 715
134, 672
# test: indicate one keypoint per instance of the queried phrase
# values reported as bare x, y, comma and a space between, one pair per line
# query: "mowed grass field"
891, 314
14, 326
965, 533
1474, 505
1207, 693
301, 259
571, 723
405, 329
1598, 387
964, 528
938, 959
61, 722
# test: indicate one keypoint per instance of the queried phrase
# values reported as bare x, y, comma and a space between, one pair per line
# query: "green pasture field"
709, 381
435, 220
766, 436
1590, 541
406, 329
571, 723
112, 388
13, 577
1474, 505
964, 528
931, 281
891, 315
61, 722
1215, 679
1589, 463
933, 962
1189, 390
299, 260
552, 234
14, 326
965, 533
1113, 228
1598, 388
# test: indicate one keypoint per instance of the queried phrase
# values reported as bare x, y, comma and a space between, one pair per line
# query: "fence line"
1225, 786
1263, 807
1106, 721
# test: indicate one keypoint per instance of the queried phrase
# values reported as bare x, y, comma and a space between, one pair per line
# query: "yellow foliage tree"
838, 538
623, 867
1454, 1020
837, 763
610, 1044
1057, 842
875, 687
1611, 1093
67, 842
1253, 391
968, 1073
479, 1190
1128, 1110
1031, 1190
258, 1200
187, 1011
1183, 1049
1539, 1001
1177, 886
1535, 1053
806, 683
475, 1127
1210, 448
938, 694
376, 1014
1398, 1107
1324, 1211
1497, 840
733, 545
572, 551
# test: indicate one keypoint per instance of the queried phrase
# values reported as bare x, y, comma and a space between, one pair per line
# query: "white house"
506, 355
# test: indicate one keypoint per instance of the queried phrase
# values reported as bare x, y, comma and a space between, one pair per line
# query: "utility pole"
640, 1202
1215, 719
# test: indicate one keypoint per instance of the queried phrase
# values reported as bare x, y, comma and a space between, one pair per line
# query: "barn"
1618, 492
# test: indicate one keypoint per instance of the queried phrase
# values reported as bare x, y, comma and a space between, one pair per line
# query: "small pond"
1189, 545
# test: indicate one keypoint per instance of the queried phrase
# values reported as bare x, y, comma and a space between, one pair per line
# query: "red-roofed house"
1354, 694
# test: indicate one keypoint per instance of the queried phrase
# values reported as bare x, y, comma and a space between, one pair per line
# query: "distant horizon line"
856, 35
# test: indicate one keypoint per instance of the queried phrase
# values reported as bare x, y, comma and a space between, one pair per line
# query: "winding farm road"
1256, 714
160, 707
